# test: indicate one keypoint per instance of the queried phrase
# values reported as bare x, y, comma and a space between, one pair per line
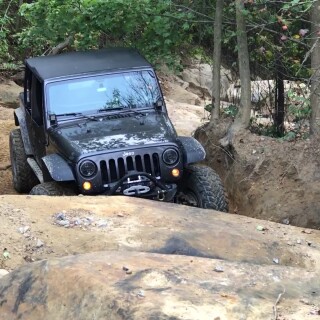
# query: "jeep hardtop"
96, 123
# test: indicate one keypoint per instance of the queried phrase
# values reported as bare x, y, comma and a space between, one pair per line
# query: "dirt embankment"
268, 178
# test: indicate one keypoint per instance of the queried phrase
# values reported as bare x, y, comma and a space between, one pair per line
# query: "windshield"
138, 89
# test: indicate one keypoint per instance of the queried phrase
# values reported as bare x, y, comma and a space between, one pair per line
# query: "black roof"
82, 62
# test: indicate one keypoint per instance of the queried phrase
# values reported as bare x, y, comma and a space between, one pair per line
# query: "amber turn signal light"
175, 173
86, 185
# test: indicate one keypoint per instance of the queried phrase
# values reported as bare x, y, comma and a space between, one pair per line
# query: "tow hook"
161, 195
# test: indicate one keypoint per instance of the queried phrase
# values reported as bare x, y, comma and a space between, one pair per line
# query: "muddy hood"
77, 139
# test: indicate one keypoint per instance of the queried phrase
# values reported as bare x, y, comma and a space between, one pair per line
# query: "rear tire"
202, 187
24, 179
52, 188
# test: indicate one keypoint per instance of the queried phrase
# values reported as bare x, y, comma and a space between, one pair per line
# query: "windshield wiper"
138, 112
93, 118
110, 109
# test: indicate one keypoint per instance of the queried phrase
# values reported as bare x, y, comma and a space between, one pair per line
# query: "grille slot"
139, 166
114, 169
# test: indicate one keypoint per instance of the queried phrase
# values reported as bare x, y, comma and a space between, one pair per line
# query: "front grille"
114, 169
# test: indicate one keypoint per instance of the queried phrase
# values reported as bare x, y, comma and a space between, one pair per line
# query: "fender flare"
20, 120
192, 150
58, 168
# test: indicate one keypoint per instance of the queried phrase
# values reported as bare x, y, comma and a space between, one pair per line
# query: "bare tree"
242, 120
315, 66
215, 113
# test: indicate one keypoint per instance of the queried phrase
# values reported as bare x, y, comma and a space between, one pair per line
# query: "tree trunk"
315, 66
215, 113
242, 120
279, 97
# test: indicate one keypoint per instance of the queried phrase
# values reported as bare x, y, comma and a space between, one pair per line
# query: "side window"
36, 96
27, 89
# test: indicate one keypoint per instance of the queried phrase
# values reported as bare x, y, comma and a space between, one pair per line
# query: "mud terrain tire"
52, 188
23, 177
204, 187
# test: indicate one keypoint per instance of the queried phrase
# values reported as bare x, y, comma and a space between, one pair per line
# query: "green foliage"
166, 31
290, 136
262, 129
299, 107
230, 111
162, 30
208, 107
10, 23
151, 26
5, 22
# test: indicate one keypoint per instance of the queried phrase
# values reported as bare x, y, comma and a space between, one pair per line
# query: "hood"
124, 131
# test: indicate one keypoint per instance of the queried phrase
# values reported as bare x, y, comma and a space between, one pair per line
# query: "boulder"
9, 93
179, 94
200, 79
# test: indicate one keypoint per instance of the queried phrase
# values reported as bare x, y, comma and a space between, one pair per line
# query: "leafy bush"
151, 26
230, 111
5, 30
299, 107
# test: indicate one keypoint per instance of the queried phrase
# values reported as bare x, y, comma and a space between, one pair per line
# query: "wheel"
202, 187
24, 179
52, 188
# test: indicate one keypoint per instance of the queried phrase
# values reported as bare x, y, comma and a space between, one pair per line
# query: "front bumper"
141, 184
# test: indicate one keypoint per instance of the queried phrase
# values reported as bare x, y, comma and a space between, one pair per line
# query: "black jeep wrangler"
96, 123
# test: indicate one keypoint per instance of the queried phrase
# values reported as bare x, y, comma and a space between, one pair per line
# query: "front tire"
52, 188
202, 187
24, 179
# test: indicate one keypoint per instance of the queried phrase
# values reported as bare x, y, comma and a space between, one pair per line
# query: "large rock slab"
124, 285
168, 262
130, 224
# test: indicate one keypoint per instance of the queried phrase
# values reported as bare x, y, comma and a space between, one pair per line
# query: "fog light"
175, 173
86, 185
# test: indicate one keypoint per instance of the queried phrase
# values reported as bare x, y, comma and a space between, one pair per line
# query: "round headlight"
88, 168
170, 157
